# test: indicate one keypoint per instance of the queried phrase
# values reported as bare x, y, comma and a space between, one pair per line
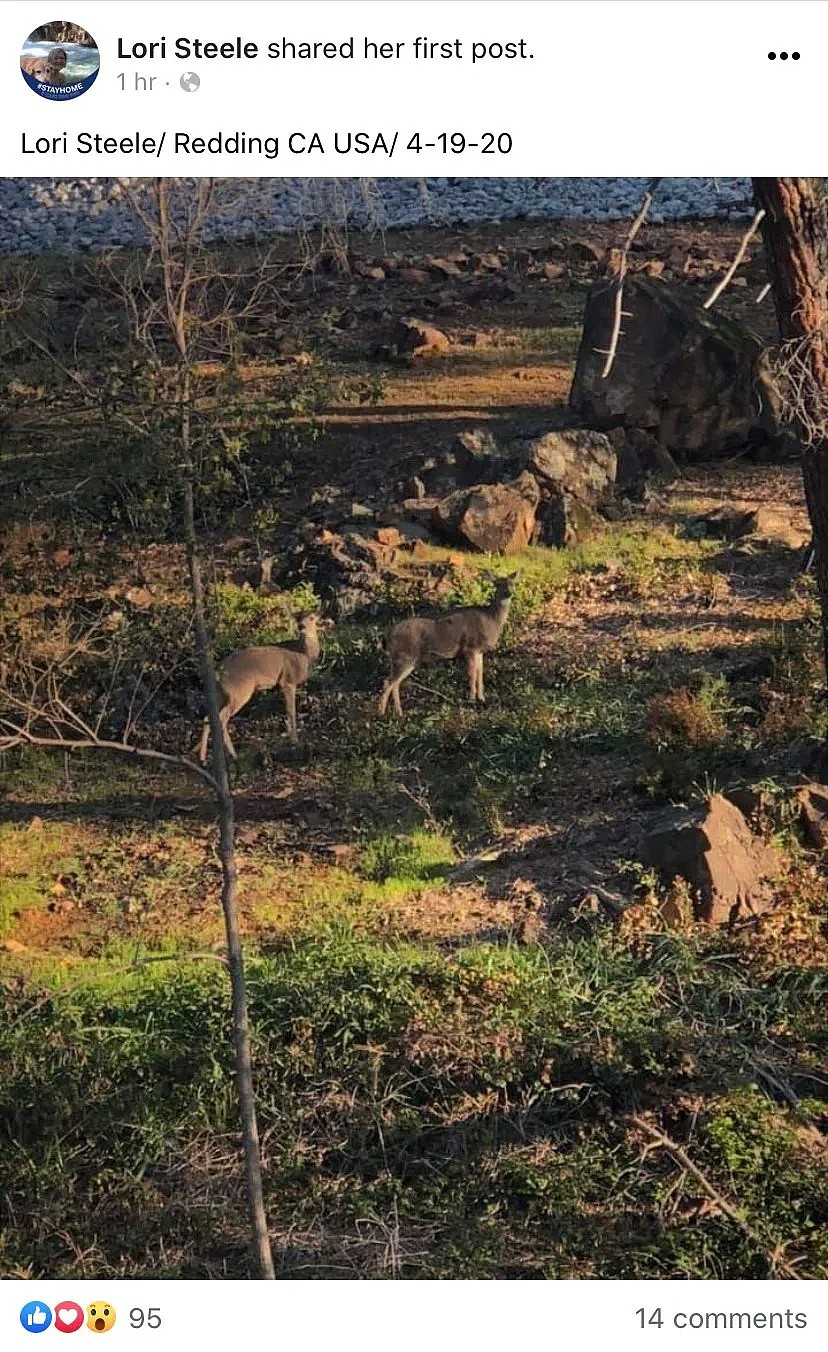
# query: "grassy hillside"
463, 1071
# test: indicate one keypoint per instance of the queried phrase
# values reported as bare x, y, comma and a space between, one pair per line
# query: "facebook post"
413, 640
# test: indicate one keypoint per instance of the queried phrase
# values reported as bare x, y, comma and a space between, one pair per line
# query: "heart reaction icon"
69, 1316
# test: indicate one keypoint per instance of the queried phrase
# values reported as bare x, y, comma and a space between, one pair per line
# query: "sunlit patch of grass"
33, 861
244, 617
644, 552
409, 859
307, 899
108, 889
479, 1095
559, 341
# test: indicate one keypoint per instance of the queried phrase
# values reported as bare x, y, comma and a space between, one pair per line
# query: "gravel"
82, 214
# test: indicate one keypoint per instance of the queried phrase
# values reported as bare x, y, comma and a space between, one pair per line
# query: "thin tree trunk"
229, 873
177, 248
795, 233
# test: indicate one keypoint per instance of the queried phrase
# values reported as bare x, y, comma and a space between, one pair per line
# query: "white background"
437, 1316
616, 87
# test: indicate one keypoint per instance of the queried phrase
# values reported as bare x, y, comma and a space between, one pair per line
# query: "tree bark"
795, 234
177, 278
229, 873
229, 891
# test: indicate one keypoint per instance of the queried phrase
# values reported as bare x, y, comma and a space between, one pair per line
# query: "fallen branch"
15, 735
740, 253
646, 203
468, 867
776, 1263
613, 901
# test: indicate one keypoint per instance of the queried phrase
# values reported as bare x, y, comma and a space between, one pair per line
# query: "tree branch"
639, 220
777, 1264
15, 736
740, 253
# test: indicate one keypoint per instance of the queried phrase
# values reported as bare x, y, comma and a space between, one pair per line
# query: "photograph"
59, 60
413, 765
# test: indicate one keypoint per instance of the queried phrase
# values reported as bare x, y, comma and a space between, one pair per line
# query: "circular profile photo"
60, 60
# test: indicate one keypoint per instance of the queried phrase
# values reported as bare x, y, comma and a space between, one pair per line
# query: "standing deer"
241, 675
469, 633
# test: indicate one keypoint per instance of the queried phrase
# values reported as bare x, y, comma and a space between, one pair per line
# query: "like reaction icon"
69, 1316
35, 1317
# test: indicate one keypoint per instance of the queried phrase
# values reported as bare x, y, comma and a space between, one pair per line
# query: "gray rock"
691, 377
494, 518
260, 207
713, 849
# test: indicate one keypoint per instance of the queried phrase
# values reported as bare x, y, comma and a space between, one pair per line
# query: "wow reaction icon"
100, 1316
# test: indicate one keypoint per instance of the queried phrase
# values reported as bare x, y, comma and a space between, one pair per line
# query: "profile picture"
60, 60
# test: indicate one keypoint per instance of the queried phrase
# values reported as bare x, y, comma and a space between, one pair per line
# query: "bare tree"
178, 245
795, 234
182, 309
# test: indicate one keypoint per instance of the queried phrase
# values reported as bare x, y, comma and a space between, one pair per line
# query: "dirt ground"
471, 1001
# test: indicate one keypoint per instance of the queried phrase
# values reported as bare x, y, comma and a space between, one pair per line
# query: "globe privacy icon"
35, 1317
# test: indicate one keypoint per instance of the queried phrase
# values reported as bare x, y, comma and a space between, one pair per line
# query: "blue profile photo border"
60, 93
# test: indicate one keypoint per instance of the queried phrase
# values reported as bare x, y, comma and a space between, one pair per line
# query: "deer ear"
513, 577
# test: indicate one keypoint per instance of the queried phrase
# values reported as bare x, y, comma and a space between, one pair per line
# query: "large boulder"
476, 452
474, 457
574, 461
494, 518
694, 379
574, 470
346, 568
727, 867
640, 457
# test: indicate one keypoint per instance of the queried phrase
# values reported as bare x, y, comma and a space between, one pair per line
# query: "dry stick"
646, 203
177, 283
15, 735
740, 253
733, 1213
765, 289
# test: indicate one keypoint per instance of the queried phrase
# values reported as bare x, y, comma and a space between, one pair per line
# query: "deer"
468, 632
244, 673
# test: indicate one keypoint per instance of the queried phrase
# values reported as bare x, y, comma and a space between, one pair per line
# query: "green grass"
439, 1096
481, 1097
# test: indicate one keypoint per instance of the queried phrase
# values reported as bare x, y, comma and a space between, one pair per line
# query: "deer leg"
480, 694
395, 699
471, 668
205, 733
383, 699
225, 716
392, 689
290, 706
